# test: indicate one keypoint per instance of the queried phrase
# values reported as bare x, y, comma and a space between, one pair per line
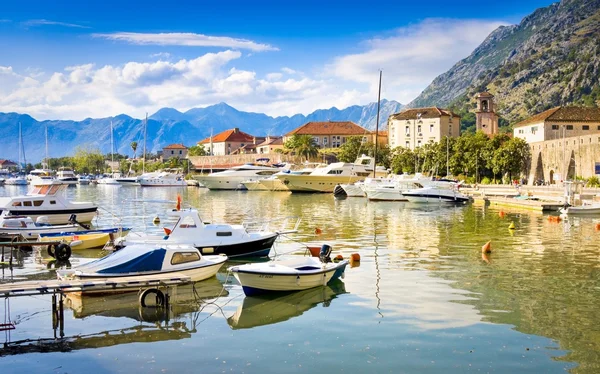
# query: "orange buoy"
355, 257
487, 247
485, 257
339, 257
598, 227
318, 231
167, 231
501, 214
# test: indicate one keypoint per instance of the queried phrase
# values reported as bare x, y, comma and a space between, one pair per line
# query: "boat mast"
20, 148
377, 124
112, 149
144, 147
47, 166
447, 156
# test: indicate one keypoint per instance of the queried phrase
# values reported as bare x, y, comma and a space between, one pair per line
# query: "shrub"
486, 180
593, 182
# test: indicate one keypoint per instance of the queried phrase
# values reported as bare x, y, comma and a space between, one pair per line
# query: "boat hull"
316, 183
229, 182
30, 233
262, 281
435, 199
57, 217
273, 184
256, 248
385, 194
582, 210
351, 190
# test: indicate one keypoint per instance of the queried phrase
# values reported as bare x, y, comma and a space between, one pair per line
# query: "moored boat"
30, 229
145, 259
231, 179
85, 239
296, 274
433, 194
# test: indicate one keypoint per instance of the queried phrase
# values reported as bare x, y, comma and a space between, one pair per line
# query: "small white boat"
288, 275
585, 209
245, 240
162, 179
16, 181
67, 176
30, 229
145, 259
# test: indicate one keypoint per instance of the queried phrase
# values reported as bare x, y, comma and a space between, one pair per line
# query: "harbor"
422, 286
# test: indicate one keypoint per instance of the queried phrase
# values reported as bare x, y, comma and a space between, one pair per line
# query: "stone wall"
573, 156
225, 162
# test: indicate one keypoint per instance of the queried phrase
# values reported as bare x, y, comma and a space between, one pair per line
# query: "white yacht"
128, 181
162, 179
66, 176
325, 178
40, 175
231, 179
393, 191
18, 180
48, 200
358, 189
435, 194
272, 183
109, 180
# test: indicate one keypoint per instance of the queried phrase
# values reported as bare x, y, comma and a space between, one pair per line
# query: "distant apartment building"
174, 151
228, 142
330, 134
413, 128
270, 145
558, 123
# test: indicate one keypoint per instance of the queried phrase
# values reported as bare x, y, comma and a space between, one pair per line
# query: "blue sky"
77, 59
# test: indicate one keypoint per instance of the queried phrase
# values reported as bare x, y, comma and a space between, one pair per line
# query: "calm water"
422, 300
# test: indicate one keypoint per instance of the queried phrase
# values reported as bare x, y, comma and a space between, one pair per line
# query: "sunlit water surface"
422, 300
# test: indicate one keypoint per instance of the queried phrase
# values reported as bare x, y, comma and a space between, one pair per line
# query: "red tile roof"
431, 112
6, 163
175, 146
233, 135
564, 114
329, 128
272, 141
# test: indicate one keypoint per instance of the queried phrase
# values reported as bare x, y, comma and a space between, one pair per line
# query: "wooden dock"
528, 204
28, 288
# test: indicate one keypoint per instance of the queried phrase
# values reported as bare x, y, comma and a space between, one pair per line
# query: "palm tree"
305, 146
134, 147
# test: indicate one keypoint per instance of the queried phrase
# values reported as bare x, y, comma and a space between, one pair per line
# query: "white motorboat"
325, 178
272, 183
359, 188
296, 274
48, 200
110, 180
162, 179
66, 176
246, 240
585, 209
30, 229
231, 179
435, 194
148, 259
392, 191
128, 181
16, 181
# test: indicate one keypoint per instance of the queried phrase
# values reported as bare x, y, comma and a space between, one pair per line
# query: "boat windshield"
46, 189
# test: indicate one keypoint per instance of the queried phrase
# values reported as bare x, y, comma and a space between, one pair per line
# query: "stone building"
485, 116
564, 143
174, 151
330, 134
415, 127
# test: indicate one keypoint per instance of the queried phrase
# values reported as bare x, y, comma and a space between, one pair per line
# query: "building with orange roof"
174, 151
557, 123
228, 141
330, 134
415, 127
270, 145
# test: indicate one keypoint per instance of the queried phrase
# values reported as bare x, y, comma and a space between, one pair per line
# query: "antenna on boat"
377, 125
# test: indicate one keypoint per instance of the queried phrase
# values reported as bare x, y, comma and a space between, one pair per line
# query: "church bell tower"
486, 117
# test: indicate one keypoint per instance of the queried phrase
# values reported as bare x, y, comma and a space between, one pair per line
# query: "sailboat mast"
20, 147
112, 148
144, 147
47, 167
377, 124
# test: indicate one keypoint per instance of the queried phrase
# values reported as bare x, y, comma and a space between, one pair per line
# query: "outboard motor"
73, 219
325, 253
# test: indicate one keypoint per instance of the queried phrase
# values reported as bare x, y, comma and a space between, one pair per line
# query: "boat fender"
76, 243
324, 279
298, 280
62, 252
158, 294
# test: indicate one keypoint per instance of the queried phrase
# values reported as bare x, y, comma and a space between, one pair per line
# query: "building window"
324, 140
586, 127
407, 144
569, 127
343, 140
419, 129
418, 143
180, 152
430, 128
554, 127
407, 132
172, 152
364, 139
316, 139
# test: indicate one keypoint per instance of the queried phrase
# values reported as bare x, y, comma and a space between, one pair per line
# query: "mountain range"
551, 58
166, 126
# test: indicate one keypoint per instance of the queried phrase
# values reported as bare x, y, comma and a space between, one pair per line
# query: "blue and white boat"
142, 259
296, 274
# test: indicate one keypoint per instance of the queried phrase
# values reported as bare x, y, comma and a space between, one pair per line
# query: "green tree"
351, 149
134, 146
403, 161
303, 146
197, 150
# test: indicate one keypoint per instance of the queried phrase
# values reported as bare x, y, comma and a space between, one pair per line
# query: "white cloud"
288, 70
161, 55
89, 90
413, 56
186, 39
45, 22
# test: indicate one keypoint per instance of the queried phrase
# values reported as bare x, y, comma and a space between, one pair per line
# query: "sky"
79, 59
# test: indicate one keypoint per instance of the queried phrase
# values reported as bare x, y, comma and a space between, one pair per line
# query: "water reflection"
275, 308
